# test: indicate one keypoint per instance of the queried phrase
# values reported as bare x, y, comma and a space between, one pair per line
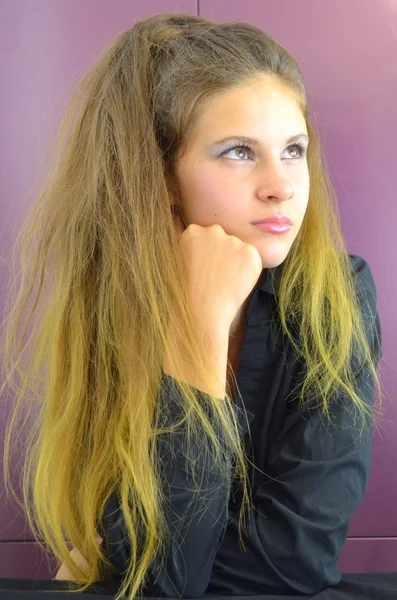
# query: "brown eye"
299, 150
241, 149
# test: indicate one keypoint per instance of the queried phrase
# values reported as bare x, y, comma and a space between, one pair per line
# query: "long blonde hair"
100, 247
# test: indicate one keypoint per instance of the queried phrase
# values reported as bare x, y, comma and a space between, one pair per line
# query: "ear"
173, 197
171, 181
179, 224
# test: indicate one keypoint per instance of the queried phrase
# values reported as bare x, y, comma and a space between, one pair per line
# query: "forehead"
264, 107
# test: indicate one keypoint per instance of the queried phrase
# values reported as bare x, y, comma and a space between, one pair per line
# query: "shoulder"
367, 297
362, 277
365, 287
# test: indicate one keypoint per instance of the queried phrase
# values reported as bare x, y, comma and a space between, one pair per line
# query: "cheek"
301, 211
303, 191
207, 195
304, 181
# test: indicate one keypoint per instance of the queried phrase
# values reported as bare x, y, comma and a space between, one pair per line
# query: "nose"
275, 184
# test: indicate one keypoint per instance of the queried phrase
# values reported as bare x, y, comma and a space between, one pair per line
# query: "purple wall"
349, 59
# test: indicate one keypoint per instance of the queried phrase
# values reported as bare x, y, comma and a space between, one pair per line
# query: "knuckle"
216, 227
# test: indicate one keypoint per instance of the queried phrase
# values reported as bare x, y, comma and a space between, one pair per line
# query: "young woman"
206, 384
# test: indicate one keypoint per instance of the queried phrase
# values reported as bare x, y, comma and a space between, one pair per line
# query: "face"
236, 186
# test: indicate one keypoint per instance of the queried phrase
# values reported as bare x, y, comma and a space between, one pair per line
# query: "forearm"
196, 509
216, 341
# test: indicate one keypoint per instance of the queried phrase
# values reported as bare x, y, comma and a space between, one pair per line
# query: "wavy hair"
100, 264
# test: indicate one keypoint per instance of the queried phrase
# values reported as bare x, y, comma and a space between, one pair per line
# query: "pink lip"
273, 227
280, 220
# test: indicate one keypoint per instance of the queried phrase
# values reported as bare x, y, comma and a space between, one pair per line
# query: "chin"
270, 261
272, 264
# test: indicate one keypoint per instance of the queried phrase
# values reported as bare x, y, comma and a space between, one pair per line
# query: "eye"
299, 149
239, 147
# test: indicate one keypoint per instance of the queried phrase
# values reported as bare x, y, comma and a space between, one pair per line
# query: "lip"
273, 227
280, 220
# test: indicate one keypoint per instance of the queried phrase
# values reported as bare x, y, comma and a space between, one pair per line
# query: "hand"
63, 572
220, 270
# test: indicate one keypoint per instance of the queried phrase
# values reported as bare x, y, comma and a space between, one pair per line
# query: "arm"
216, 341
197, 526
322, 470
197, 519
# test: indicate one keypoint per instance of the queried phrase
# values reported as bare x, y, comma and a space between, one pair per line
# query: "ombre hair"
100, 263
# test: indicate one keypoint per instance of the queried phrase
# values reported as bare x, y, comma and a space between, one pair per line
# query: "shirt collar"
270, 280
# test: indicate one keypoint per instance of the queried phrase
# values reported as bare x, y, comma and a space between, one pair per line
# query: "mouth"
277, 219
272, 227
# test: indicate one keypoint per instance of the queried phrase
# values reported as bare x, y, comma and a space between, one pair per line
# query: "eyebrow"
255, 142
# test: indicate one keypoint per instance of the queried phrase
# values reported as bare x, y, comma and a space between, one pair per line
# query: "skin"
244, 186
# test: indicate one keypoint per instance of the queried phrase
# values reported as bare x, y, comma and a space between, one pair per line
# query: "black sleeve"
322, 472
197, 519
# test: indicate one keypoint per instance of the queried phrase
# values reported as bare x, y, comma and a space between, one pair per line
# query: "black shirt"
314, 476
